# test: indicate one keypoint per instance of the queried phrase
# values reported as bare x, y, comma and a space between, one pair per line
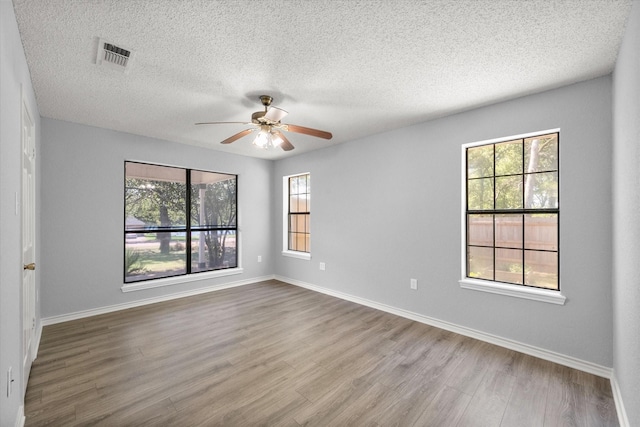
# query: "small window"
178, 221
512, 211
299, 213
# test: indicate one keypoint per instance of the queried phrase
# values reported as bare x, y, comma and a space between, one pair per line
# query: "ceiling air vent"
114, 56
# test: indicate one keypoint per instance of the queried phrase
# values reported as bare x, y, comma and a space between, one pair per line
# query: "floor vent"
113, 56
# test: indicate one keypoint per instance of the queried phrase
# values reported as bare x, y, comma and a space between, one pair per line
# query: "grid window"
299, 213
178, 221
512, 211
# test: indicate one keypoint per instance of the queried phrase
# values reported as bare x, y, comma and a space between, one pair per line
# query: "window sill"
517, 291
168, 281
299, 255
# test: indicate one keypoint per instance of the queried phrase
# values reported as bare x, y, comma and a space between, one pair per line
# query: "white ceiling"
353, 68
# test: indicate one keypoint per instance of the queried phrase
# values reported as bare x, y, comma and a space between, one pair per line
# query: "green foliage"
156, 203
512, 173
133, 262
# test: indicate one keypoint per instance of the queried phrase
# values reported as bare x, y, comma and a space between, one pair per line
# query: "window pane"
509, 266
480, 230
509, 157
299, 223
213, 199
302, 242
299, 203
541, 232
155, 196
213, 250
509, 231
299, 242
509, 192
302, 184
480, 161
299, 232
542, 269
299, 197
480, 194
480, 262
293, 184
541, 190
541, 153
154, 255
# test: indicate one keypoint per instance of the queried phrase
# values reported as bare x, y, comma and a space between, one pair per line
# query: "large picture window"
512, 211
178, 221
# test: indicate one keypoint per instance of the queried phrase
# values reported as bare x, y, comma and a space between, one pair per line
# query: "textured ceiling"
353, 68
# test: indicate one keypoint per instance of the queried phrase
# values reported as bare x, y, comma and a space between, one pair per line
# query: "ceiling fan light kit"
266, 138
269, 124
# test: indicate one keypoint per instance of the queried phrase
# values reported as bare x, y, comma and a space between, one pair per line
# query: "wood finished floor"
275, 354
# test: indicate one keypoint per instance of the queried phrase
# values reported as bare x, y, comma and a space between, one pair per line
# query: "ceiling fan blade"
308, 131
275, 114
286, 145
237, 136
223, 123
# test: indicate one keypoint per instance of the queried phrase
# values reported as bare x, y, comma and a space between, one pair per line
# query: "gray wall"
626, 218
387, 208
14, 78
83, 205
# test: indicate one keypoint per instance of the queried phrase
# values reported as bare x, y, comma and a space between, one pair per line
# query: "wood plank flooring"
275, 354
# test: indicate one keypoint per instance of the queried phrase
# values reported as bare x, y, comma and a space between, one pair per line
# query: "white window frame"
517, 291
285, 220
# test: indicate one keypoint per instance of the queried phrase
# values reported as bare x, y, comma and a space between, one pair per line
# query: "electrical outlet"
323, 266
259, 258
414, 284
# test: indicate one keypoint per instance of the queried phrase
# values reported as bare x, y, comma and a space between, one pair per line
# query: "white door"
28, 243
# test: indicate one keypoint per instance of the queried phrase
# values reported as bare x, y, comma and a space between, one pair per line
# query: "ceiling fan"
267, 124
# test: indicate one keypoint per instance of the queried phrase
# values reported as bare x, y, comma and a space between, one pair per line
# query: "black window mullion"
524, 239
494, 209
494, 246
524, 198
188, 221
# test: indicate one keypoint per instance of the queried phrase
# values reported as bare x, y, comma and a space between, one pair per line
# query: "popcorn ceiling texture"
353, 68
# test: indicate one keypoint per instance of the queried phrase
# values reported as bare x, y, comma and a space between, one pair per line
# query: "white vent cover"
114, 56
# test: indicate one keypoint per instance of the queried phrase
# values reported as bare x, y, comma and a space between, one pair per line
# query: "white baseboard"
617, 398
20, 419
117, 307
541, 353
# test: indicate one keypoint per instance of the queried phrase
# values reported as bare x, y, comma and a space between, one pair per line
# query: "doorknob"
31, 266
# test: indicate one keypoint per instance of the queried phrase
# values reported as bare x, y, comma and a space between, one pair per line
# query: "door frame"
28, 232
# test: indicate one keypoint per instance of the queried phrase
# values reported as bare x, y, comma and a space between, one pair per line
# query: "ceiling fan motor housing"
258, 114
